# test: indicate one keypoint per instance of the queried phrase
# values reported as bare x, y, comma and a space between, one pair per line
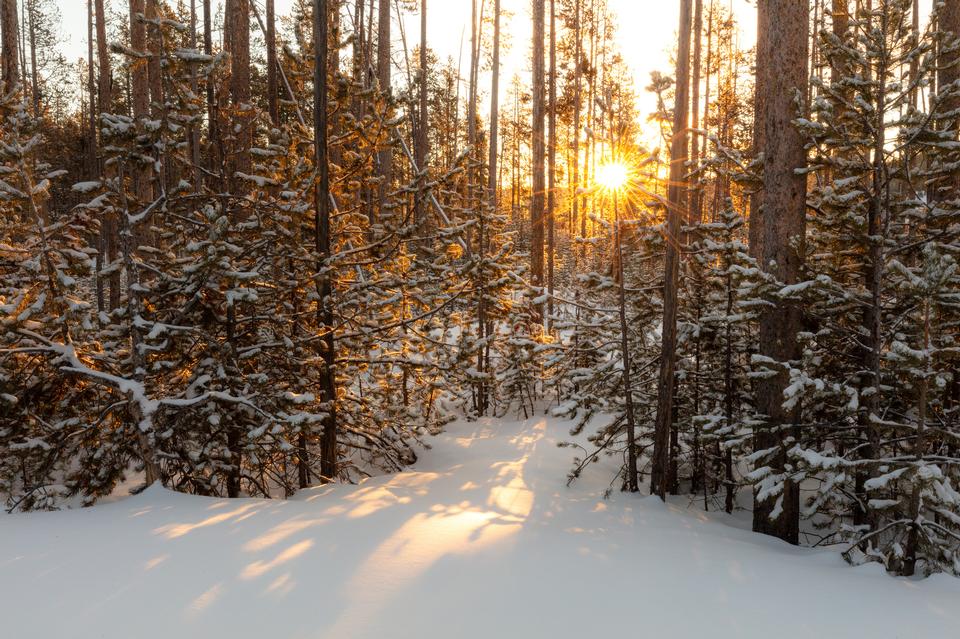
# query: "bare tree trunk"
915, 63
577, 108
239, 32
948, 72
912, 546
140, 87
841, 26
552, 162
108, 229
785, 33
538, 153
385, 157
31, 9
93, 169
472, 102
195, 87
660, 475
483, 354
213, 132
328, 442
706, 101
9, 45
105, 83
695, 212
423, 129
760, 97
273, 89
153, 67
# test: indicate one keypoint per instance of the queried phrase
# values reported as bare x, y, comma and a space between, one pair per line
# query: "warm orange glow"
612, 176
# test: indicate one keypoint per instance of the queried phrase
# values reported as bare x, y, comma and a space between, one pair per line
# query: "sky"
646, 33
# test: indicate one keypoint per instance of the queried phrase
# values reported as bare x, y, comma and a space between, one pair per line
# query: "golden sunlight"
612, 176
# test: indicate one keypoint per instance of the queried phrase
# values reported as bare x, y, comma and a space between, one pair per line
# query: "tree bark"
423, 128
31, 10
328, 442
660, 477
948, 70
552, 162
695, 210
760, 96
784, 32
577, 109
273, 88
93, 168
9, 45
385, 156
240, 94
538, 153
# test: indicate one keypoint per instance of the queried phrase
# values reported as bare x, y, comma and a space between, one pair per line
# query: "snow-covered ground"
482, 539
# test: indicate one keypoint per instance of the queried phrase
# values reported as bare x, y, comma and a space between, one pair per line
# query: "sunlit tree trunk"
577, 109
273, 89
424, 124
784, 31
552, 162
195, 87
31, 11
213, 133
676, 210
538, 152
9, 45
240, 94
760, 96
93, 168
328, 443
385, 157
695, 210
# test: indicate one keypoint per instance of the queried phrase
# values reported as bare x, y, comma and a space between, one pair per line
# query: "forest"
248, 254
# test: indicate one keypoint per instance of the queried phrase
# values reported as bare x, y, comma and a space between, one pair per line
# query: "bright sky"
646, 33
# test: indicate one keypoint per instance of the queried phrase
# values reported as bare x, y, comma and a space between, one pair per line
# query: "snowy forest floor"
481, 539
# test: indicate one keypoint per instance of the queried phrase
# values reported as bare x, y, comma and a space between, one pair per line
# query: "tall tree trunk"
948, 72
538, 153
695, 212
273, 89
915, 62
240, 94
784, 32
328, 442
31, 9
9, 45
213, 129
472, 102
424, 124
140, 90
552, 162
760, 97
483, 354
93, 168
577, 109
706, 99
385, 157
154, 46
105, 82
195, 87
108, 230
660, 476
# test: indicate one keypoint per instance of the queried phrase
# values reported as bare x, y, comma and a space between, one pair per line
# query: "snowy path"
483, 539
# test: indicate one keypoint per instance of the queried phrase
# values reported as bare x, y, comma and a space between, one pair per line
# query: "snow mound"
482, 540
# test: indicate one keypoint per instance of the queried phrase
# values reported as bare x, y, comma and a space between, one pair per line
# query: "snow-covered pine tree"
880, 270
45, 322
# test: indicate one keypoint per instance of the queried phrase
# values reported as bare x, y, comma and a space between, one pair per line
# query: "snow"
481, 539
